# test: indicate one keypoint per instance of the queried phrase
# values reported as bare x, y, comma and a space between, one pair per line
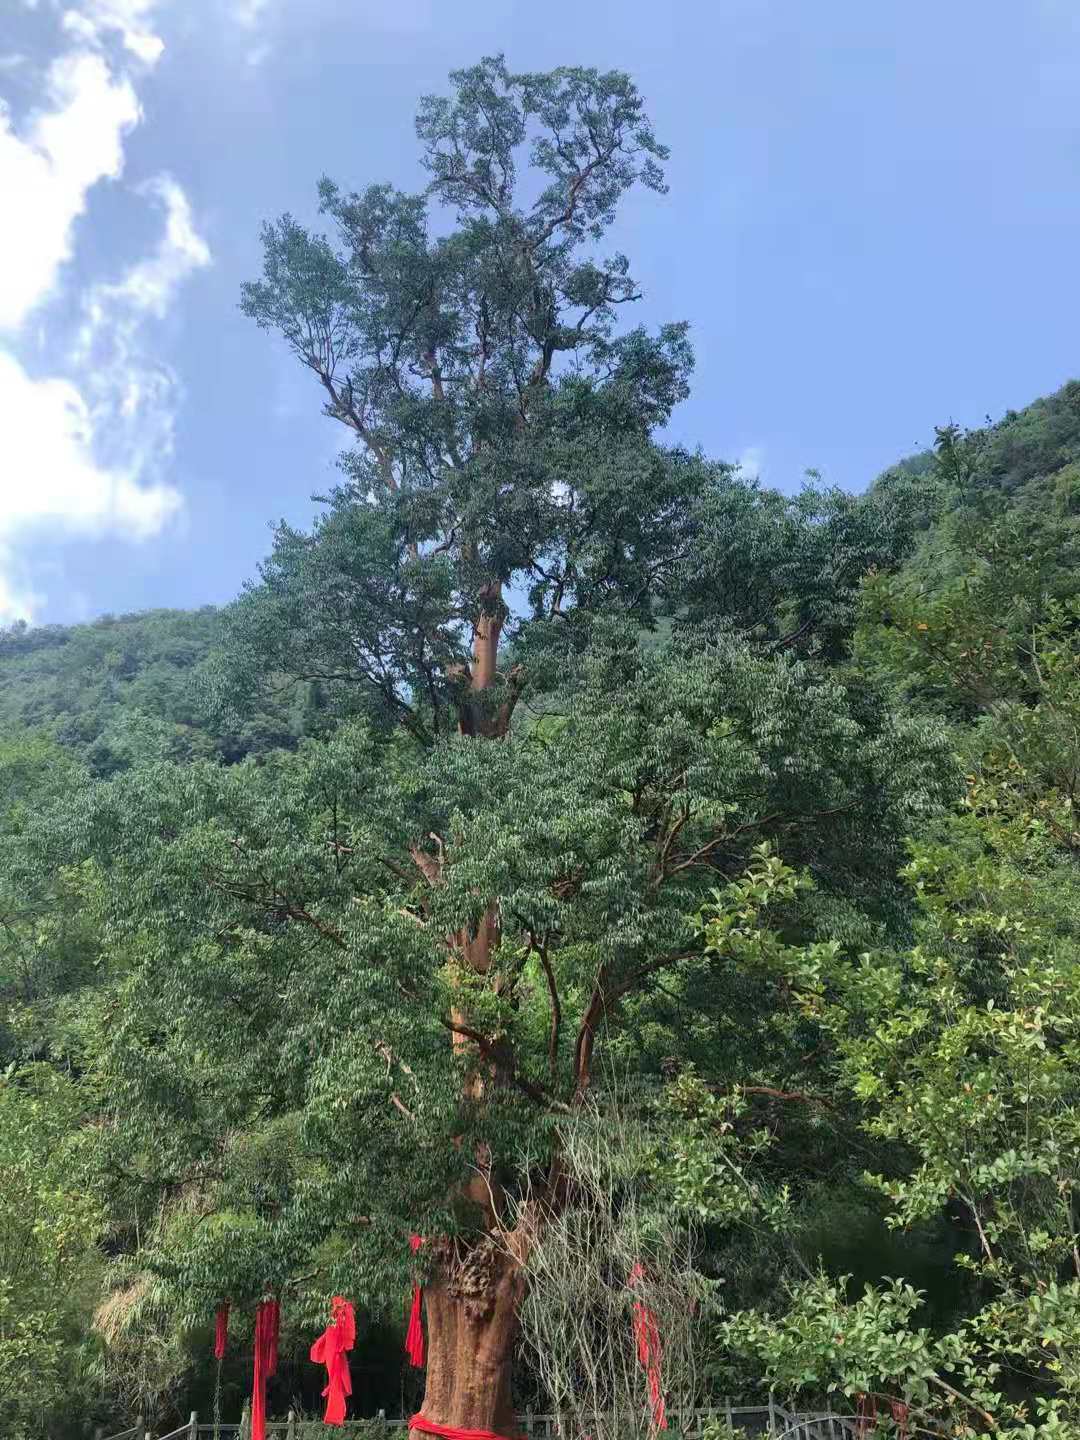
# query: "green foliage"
49, 944
953, 626
129, 689
502, 422
553, 753
716, 1428
962, 1053
285, 976
825, 1342
49, 1264
786, 570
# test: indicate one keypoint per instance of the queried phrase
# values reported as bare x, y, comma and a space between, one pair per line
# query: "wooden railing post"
193, 1426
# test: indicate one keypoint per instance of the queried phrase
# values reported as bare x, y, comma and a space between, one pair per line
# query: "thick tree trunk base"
471, 1330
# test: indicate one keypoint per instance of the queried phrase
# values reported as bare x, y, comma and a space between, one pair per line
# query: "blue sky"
873, 227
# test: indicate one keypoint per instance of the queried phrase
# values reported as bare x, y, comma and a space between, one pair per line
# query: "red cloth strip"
329, 1350
221, 1331
649, 1349
267, 1323
414, 1335
272, 1341
451, 1432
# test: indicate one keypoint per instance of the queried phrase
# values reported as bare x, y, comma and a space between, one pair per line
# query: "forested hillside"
128, 687
656, 894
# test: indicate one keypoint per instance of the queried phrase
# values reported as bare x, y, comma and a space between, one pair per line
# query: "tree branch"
556, 1007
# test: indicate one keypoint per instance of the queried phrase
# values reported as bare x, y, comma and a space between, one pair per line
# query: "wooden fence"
770, 1419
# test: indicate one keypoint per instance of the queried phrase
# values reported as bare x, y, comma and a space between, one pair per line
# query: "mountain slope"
124, 686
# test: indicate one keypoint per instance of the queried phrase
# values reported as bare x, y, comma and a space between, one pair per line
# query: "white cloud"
249, 15
48, 452
88, 460
54, 484
149, 287
130, 19
249, 12
751, 462
132, 396
46, 172
84, 458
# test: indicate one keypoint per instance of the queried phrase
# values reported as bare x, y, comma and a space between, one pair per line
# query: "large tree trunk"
472, 1300
471, 1329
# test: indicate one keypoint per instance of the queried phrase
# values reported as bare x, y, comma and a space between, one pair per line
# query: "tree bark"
472, 1324
472, 1301
478, 715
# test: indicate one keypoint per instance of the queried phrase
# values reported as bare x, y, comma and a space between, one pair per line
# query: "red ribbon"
451, 1432
649, 1349
414, 1335
221, 1331
329, 1350
267, 1324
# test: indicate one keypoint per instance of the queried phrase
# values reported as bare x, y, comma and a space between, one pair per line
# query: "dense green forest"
568, 851
129, 688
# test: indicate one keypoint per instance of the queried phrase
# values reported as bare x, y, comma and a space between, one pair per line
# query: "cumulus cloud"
47, 170
87, 460
85, 441
149, 286
55, 485
133, 397
249, 15
49, 454
17, 601
130, 19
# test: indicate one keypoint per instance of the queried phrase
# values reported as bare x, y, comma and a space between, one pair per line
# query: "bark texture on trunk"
471, 1329
472, 1300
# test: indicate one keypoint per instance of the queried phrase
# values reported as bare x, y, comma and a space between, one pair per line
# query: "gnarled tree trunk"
472, 1321
472, 1300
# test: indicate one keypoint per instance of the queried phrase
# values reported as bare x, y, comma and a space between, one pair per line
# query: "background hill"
132, 686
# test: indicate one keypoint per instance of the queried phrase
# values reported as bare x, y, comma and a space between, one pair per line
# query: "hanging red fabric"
267, 1323
452, 1432
329, 1350
900, 1415
414, 1335
221, 1331
649, 1349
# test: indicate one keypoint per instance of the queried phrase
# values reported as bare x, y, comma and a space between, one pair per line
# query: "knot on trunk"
474, 1278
